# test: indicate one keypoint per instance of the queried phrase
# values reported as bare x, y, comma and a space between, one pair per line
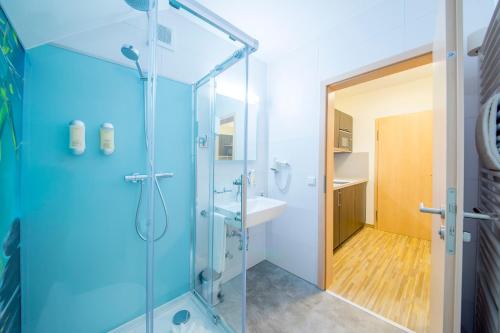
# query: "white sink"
259, 210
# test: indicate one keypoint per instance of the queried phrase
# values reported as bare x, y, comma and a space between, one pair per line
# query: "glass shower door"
230, 130
220, 250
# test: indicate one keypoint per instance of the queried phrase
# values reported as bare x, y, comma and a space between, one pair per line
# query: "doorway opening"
378, 158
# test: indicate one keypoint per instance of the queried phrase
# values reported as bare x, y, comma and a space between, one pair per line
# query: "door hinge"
377, 135
376, 215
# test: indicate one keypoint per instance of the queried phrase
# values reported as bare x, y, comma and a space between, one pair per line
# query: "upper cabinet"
343, 132
345, 121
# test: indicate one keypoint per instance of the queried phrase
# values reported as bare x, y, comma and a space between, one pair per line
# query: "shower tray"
199, 320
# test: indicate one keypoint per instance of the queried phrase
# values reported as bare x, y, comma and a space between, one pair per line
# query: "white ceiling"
39, 22
283, 25
417, 73
195, 50
279, 25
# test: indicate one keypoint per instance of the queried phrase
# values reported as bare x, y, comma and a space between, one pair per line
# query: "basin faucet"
239, 184
224, 190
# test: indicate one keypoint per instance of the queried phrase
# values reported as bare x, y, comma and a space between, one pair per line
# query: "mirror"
229, 127
225, 138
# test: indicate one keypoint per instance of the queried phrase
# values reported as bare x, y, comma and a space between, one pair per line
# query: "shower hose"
157, 185
137, 222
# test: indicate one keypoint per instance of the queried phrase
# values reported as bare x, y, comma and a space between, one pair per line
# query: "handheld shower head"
131, 53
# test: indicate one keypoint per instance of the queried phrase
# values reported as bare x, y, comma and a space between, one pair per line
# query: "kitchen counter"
347, 182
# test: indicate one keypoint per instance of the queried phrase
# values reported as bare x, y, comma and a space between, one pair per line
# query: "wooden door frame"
398, 63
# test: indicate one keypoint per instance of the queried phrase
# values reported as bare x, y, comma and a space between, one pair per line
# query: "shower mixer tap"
136, 177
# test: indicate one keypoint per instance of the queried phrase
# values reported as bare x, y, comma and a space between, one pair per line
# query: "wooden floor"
386, 273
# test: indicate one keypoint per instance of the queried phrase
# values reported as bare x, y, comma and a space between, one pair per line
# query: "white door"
447, 177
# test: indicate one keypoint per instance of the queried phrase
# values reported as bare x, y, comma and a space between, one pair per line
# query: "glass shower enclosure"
140, 225
217, 270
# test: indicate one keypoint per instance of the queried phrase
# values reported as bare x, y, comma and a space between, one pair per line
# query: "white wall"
365, 108
377, 32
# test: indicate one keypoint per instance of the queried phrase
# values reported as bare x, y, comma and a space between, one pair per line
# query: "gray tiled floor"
280, 302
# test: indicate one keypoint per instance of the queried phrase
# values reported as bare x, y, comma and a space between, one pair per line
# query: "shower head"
142, 5
131, 53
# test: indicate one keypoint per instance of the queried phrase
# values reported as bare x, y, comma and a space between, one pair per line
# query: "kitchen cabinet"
349, 212
359, 206
345, 122
336, 128
343, 132
336, 218
346, 212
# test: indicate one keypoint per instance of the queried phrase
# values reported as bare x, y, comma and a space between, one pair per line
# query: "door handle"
477, 216
438, 211
428, 210
441, 212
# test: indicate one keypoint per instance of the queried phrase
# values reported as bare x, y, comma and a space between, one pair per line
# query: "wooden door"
404, 173
448, 159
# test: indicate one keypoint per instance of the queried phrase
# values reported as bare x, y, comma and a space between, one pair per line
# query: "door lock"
442, 231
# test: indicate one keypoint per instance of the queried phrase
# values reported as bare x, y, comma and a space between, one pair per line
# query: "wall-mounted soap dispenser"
77, 137
107, 138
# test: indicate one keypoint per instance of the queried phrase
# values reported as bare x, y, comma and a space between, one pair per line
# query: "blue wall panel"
83, 264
